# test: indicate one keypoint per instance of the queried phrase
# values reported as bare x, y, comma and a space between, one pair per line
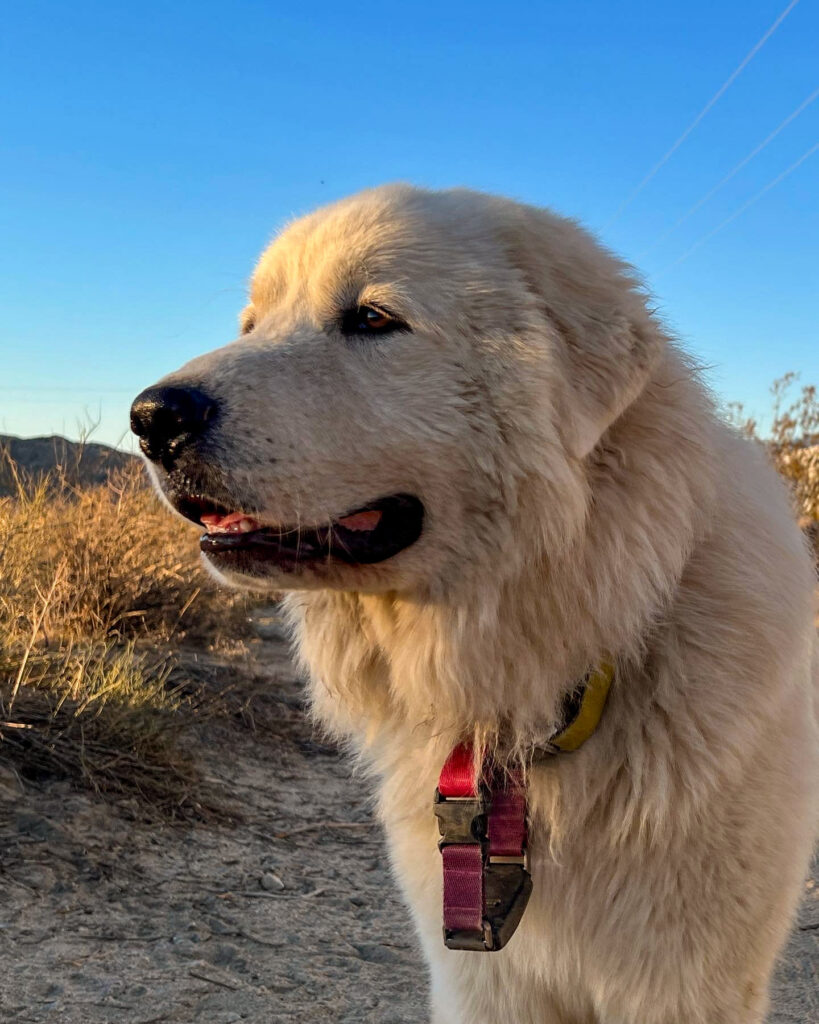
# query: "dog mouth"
364, 536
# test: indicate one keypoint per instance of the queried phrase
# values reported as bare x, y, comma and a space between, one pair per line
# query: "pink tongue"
361, 521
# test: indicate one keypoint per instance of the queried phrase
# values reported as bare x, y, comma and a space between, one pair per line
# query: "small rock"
271, 882
375, 953
268, 625
34, 825
281, 985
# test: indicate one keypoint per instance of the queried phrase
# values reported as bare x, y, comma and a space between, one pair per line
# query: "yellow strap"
588, 717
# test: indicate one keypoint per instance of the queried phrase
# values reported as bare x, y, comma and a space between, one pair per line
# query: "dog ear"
607, 340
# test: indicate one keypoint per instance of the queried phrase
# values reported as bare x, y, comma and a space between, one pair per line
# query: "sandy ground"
106, 918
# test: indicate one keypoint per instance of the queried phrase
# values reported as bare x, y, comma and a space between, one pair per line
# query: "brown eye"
374, 319
370, 320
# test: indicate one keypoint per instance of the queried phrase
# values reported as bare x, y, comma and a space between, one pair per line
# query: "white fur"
582, 498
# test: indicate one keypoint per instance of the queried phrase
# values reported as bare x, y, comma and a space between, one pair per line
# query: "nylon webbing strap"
463, 862
457, 777
507, 819
463, 887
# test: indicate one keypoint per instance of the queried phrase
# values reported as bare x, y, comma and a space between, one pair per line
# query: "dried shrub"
113, 562
103, 717
792, 444
98, 580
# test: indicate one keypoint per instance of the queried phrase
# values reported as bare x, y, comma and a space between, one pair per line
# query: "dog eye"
371, 320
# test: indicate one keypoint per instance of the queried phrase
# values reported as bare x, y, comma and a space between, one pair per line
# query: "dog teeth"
233, 523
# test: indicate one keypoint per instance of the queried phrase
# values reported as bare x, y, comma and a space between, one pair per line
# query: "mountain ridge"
79, 462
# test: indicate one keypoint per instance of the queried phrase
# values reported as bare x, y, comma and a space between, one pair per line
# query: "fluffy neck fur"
445, 665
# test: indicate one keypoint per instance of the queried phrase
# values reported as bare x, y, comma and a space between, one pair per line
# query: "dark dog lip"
287, 547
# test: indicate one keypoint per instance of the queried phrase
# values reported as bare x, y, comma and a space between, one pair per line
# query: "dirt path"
106, 919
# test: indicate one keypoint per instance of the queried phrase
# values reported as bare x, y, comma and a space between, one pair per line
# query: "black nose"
165, 419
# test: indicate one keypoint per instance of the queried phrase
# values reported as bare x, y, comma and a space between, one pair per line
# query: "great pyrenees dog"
454, 430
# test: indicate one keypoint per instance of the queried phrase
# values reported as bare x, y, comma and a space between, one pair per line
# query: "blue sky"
150, 150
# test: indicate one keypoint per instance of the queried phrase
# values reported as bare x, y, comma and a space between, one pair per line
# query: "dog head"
418, 381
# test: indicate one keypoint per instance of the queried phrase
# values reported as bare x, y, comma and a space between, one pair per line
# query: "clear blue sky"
149, 150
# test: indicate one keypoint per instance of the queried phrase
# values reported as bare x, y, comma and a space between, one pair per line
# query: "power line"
743, 208
734, 170
746, 60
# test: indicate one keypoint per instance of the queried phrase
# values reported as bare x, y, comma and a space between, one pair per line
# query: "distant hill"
80, 463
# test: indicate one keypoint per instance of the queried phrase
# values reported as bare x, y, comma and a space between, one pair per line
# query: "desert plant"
98, 581
103, 716
792, 443
112, 561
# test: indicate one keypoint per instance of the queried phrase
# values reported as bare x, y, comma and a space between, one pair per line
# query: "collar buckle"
461, 819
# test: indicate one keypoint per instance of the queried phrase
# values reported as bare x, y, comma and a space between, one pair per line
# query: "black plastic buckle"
461, 819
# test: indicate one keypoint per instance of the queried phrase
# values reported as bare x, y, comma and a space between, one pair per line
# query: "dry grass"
793, 445
102, 562
98, 585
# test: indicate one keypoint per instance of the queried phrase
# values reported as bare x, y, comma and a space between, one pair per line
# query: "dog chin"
394, 575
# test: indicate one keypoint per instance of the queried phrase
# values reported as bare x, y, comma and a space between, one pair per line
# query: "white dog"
455, 432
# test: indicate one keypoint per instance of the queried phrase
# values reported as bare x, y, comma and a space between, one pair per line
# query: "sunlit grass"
99, 585
793, 445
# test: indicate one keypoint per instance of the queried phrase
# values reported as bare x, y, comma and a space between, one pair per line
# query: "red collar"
481, 811
482, 820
